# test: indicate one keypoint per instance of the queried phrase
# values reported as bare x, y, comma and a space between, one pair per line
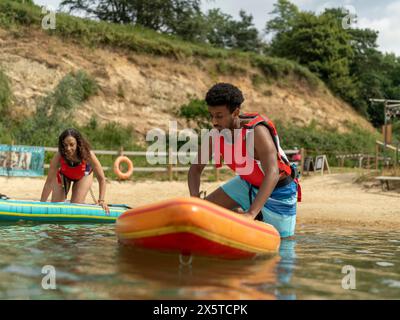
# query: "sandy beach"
333, 199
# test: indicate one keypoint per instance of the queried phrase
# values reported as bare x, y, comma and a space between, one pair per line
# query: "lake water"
90, 264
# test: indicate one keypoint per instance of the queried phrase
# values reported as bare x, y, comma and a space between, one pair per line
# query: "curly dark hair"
224, 94
83, 147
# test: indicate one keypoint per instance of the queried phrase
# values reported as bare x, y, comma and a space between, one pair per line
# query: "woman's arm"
51, 176
101, 178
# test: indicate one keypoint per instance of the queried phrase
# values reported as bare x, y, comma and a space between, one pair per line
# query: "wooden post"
323, 166
303, 156
9, 159
327, 164
169, 169
396, 159
216, 173
342, 161
376, 156
120, 154
387, 133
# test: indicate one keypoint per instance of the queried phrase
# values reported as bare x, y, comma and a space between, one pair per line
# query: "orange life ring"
118, 172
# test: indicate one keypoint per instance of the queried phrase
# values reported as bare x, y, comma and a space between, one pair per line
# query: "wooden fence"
372, 160
169, 168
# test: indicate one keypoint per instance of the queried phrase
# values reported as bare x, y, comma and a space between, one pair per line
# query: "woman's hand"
104, 205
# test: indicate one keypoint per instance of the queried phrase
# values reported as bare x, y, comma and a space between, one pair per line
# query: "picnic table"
385, 181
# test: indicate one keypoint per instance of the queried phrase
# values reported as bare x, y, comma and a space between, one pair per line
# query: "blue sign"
21, 161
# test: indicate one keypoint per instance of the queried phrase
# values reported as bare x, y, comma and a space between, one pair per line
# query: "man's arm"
267, 154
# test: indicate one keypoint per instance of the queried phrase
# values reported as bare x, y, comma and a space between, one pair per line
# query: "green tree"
224, 31
246, 36
318, 42
285, 18
218, 32
347, 59
180, 17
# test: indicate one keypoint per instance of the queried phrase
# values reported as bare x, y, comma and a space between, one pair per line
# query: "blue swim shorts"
279, 210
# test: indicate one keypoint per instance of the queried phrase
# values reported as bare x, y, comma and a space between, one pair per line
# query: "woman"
74, 162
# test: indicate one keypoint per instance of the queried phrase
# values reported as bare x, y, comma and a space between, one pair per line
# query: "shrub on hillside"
5, 94
54, 112
196, 110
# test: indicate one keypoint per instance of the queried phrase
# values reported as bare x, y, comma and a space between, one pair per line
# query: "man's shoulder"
261, 133
261, 130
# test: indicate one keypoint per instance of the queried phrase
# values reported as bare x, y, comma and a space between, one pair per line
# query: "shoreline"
333, 200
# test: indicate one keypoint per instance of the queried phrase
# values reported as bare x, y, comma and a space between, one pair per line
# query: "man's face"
221, 118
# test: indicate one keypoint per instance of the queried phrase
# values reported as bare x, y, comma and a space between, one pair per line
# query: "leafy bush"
196, 110
110, 136
5, 94
54, 112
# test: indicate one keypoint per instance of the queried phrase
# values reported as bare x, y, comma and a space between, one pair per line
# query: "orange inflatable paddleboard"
192, 226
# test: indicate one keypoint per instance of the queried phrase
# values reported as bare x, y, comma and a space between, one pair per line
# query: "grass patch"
228, 68
280, 69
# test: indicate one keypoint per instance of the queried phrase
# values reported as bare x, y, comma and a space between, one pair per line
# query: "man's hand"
250, 215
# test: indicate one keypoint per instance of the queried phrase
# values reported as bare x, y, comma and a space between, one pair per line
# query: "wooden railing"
169, 168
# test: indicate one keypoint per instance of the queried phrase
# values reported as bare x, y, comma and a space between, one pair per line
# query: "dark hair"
83, 147
224, 94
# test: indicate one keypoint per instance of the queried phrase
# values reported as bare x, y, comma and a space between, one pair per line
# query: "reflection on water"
205, 278
90, 264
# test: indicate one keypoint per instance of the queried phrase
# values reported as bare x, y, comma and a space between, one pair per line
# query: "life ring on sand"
117, 170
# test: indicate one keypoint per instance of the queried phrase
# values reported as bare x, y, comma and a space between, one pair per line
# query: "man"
266, 186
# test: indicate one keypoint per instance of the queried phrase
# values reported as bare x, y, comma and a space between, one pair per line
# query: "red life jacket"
257, 175
74, 173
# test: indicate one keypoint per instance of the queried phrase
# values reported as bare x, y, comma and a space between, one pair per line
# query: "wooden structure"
391, 110
171, 166
386, 159
385, 181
